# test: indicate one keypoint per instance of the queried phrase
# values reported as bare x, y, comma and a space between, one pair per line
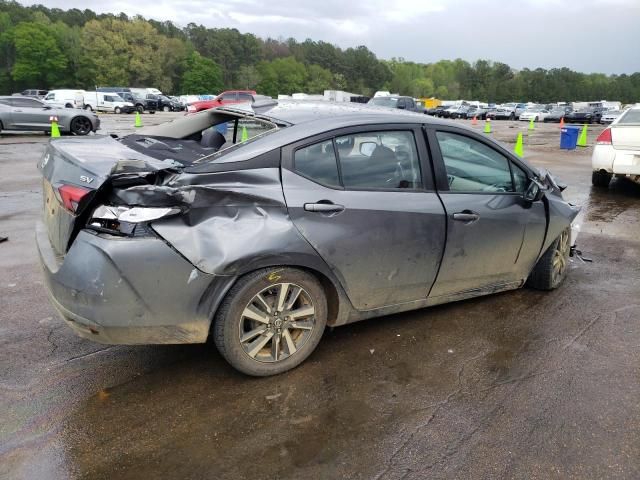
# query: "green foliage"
44, 47
39, 60
201, 75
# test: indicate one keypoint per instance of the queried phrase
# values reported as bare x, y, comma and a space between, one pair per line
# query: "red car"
225, 98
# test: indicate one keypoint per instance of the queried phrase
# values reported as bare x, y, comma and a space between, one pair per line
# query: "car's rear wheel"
81, 126
117, 110
271, 321
140, 108
601, 179
552, 267
166, 108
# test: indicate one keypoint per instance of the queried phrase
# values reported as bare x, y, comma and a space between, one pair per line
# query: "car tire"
601, 179
260, 354
552, 267
80, 126
166, 108
68, 105
117, 110
140, 108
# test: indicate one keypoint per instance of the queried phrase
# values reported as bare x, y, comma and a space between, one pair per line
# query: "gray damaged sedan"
327, 214
31, 114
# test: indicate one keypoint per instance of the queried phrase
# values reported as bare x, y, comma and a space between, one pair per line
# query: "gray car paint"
37, 118
236, 220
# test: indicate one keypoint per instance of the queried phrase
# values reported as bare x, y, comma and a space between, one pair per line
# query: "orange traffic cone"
474, 121
561, 122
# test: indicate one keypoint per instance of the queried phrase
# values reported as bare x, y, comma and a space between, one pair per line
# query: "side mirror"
534, 191
367, 148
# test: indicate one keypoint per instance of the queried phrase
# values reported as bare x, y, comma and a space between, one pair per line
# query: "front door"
28, 113
493, 235
364, 203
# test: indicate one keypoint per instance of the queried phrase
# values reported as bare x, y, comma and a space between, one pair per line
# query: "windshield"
384, 101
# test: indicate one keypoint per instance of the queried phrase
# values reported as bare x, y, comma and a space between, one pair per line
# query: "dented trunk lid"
85, 166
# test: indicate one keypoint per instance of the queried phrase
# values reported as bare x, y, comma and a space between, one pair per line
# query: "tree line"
49, 48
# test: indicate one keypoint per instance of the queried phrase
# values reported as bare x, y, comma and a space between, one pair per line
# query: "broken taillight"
604, 138
70, 196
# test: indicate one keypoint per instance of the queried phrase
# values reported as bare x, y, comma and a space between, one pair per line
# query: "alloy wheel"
277, 322
561, 258
80, 126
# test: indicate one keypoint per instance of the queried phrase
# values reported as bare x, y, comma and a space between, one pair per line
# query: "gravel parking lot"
524, 384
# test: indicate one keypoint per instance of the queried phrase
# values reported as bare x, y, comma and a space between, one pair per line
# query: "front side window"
473, 166
318, 163
379, 160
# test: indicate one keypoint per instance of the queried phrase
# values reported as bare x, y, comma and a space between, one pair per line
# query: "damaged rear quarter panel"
237, 221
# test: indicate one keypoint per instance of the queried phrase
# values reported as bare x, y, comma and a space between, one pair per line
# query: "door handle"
323, 207
466, 216
17, 111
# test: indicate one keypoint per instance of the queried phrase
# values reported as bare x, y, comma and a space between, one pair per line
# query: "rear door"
493, 235
364, 199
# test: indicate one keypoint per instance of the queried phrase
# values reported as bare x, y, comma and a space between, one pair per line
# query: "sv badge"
85, 179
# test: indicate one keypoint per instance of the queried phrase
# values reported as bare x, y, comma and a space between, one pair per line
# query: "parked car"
65, 98
459, 112
610, 116
397, 101
556, 114
537, 114
165, 103
616, 150
107, 102
479, 113
31, 114
34, 93
447, 111
225, 98
585, 115
183, 232
502, 113
140, 102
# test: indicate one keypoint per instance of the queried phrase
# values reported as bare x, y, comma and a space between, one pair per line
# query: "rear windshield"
631, 117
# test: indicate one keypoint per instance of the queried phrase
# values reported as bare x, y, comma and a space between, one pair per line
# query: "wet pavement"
523, 384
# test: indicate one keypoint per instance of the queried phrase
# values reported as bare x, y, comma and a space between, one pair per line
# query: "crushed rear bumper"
122, 290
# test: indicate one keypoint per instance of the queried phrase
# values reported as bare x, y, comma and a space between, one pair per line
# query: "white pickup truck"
617, 150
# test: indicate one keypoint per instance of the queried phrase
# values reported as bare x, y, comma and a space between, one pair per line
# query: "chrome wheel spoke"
303, 325
254, 314
282, 296
253, 334
291, 346
305, 311
254, 347
263, 302
295, 294
275, 347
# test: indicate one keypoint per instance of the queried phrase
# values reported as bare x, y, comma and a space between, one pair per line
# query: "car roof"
325, 114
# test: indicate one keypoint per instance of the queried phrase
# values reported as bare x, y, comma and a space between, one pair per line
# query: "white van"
107, 102
65, 98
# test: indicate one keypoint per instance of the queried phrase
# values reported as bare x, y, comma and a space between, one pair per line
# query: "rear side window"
379, 160
245, 97
632, 116
473, 166
318, 163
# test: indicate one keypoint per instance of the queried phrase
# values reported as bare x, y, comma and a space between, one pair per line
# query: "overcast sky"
585, 35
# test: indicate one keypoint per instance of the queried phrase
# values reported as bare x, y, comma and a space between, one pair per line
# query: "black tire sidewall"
227, 320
